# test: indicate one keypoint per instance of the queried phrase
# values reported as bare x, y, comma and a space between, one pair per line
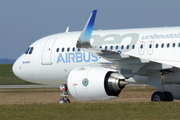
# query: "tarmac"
27, 86
45, 86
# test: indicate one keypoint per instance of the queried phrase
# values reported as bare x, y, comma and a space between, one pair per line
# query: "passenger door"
47, 51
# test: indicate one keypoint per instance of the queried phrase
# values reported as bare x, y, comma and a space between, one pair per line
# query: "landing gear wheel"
67, 101
158, 96
169, 96
61, 101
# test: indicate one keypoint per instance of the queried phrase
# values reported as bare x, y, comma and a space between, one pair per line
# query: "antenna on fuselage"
67, 29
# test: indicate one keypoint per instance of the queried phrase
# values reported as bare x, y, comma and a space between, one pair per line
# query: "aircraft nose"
16, 68
22, 69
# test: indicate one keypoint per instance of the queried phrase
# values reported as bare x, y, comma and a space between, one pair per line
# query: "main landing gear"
162, 96
64, 95
155, 79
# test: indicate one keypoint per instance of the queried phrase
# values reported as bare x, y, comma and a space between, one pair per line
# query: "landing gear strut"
64, 95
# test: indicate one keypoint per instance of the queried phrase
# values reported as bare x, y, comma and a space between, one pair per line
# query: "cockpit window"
29, 50
26, 52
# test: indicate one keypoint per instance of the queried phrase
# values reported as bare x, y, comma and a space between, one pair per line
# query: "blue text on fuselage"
76, 57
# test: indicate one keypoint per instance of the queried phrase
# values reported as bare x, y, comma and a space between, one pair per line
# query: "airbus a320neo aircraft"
96, 65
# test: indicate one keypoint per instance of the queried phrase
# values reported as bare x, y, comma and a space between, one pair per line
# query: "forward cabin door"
47, 51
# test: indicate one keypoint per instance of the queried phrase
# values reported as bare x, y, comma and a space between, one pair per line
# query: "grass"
92, 111
118, 109
100, 110
7, 76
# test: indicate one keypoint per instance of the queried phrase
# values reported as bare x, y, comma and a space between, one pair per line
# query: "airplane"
95, 65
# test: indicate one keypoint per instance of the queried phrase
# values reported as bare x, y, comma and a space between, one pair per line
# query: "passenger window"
117, 47
162, 45
68, 49
150, 46
62, 49
122, 47
179, 45
78, 49
100, 47
168, 45
156, 45
141, 46
73, 49
174, 44
57, 50
133, 46
111, 47
31, 50
105, 47
127, 47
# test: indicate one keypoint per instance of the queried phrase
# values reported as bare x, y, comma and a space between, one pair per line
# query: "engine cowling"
90, 83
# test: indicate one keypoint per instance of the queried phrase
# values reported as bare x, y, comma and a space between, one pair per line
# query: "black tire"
168, 95
68, 101
158, 96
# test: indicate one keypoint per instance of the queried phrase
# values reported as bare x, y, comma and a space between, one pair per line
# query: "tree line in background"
6, 61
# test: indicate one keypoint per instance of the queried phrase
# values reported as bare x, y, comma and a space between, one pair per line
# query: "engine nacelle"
90, 83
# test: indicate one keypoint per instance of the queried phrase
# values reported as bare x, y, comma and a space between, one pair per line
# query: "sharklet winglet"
84, 39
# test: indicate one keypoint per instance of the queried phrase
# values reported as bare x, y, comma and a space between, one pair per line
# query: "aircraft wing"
121, 60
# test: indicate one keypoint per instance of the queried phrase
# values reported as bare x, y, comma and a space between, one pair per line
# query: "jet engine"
90, 83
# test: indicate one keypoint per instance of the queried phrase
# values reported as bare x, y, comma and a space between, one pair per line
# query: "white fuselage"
54, 56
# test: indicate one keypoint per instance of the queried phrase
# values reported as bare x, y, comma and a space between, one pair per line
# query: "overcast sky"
24, 21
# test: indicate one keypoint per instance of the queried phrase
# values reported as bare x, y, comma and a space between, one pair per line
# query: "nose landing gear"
64, 95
